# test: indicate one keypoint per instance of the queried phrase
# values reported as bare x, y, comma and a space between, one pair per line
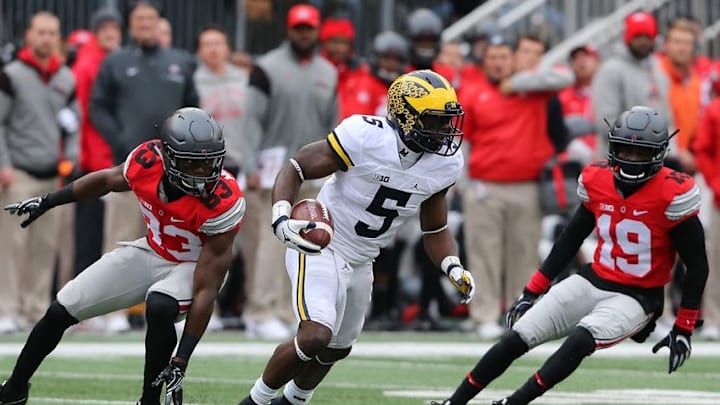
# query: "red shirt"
471, 74
508, 133
95, 153
706, 147
177, 229
577, 100
634, 246
363, 94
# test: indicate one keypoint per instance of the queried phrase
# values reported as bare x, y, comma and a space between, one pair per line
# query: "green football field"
385, 369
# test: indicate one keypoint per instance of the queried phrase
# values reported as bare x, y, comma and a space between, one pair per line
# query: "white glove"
68, 120
288, 230
459, 277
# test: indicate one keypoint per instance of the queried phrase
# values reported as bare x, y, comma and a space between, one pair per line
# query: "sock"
43, 339
160, 340
261, 394
296, 395
559, 366
491, 366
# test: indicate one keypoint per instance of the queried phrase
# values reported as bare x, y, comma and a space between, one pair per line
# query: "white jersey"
371, 199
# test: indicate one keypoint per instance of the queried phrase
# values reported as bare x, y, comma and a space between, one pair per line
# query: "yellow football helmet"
424, 109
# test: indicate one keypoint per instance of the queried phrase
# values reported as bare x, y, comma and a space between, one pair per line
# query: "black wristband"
187, 346
63, 196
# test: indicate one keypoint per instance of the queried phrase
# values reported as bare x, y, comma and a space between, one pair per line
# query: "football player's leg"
554, 316
167, 299
117, 280
614, 318
352, 310
315, 290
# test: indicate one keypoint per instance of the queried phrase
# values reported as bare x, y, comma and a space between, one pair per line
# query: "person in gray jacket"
37, 116
291, 101
136, 88
632, 77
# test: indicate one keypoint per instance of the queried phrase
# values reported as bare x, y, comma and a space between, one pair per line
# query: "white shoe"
269, 329
215, 324
117, 323
7, 326
490, 330
709, 333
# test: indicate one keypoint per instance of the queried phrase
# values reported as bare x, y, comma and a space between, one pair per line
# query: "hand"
463, 281
172, 377
35, 207
521, 305
288, 230
687, 161
678, 342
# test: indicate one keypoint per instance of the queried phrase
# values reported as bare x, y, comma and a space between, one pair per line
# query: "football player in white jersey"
384, 170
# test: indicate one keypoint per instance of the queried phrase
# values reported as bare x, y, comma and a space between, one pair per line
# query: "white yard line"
370, 349
41, 400
610, 397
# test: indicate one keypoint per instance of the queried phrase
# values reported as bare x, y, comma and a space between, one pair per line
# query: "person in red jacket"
367, 92
95, 154
337, 38
577, 99
506, 125
706, 147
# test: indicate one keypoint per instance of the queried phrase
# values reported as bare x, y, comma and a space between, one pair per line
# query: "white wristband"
280, 208
298, 169
449, 262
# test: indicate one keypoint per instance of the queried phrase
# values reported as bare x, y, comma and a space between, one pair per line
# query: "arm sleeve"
554, 79
225, 221
688, 237
102, 106
6, 99
608, 103
570, 240
256, 110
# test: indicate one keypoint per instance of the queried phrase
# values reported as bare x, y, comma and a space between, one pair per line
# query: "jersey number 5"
633, 239
376, 208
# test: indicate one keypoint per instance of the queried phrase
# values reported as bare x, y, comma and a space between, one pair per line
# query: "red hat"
640, 23
584, 48
79, 37
337, 27
303, 14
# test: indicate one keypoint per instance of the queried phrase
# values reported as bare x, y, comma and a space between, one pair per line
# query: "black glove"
35, 207
678, 341
172, 377
524, 302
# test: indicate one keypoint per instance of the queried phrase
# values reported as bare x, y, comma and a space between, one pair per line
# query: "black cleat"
247, 401
445, 402
280, 401
503, 401
10, 396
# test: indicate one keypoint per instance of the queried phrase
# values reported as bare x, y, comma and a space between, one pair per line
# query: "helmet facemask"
438, 131
194, 173
634, 163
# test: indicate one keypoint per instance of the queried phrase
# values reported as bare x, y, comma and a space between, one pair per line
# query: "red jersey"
177, 229
634, 246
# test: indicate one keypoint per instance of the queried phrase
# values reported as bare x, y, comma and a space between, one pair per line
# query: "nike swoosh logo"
173, 219
638, 213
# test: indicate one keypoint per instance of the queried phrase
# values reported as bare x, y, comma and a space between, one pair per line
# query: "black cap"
102, 16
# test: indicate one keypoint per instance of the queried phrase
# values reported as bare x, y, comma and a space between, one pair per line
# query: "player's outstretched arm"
440, 244
91, 185
563, 251
688, 237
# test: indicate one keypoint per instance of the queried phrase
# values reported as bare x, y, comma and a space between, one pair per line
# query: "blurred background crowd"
85, 81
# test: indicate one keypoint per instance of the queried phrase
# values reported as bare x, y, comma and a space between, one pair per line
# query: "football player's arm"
563, 251
313, 161
90, 186
212, 265
688, 237
440, 244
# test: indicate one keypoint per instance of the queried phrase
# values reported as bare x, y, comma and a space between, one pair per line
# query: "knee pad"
581, 342
330, 356
161, 307
59, 316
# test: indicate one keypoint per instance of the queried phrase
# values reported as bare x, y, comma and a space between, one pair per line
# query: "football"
313, 210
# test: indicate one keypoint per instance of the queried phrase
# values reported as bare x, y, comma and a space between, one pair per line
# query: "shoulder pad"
682, 193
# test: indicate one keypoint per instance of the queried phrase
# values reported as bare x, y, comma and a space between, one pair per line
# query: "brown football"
313, 210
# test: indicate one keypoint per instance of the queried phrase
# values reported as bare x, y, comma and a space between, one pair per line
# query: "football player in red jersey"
643, 215
192, 209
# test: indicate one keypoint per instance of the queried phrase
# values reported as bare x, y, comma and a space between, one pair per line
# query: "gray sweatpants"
123, 277
609, 316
